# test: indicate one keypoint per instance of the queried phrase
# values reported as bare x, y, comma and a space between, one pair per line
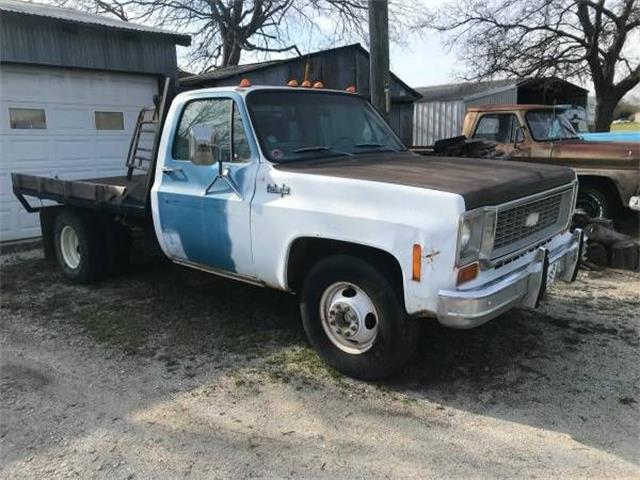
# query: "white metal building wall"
70, 147
437, 120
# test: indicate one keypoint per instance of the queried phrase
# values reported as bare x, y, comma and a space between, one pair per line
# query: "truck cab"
309, 191
609, 172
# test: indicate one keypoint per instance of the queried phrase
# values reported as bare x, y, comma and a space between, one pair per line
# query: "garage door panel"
70, 147
66, 120
23, 151
70, 150
112, 148
7, 216
19, 83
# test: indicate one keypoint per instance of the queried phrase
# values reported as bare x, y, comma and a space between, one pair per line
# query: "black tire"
91, 265
397, 334
596, 202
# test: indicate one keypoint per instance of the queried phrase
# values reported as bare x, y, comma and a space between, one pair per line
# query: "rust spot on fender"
431, 255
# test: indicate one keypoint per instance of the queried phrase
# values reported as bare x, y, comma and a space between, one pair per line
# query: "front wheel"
354, 318
595, 202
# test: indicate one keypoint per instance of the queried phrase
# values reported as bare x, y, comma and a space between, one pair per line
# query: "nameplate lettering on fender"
279, 190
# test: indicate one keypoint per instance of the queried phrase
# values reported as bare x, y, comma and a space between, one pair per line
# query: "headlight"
475, 235
465, 235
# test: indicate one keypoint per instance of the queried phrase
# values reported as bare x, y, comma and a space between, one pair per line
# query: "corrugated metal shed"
77, 16
38, 34
337, 68
440, 112
436, 120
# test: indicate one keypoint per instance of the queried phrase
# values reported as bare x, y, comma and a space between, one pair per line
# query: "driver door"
205, 217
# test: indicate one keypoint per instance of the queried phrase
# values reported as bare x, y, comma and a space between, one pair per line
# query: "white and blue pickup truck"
309, 191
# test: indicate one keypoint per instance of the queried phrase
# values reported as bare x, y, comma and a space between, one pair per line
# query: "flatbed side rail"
80, 193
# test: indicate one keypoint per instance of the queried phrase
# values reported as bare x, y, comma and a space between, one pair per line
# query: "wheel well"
604, 184
305, 252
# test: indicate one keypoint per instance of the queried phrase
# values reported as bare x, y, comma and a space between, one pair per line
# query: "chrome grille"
524, 223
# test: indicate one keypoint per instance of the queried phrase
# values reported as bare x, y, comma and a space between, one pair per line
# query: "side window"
109, 120
27, 118
499, 128
211, 112
488, 128
220, 114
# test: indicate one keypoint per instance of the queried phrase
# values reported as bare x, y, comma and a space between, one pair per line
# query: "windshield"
546, 125
298, 125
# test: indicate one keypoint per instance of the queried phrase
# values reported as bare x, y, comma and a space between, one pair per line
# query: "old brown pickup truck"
609, 173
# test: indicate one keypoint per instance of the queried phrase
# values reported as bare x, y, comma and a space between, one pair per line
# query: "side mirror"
202, 147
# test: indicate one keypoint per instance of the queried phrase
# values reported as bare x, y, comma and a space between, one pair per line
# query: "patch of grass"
625, 127
301, 362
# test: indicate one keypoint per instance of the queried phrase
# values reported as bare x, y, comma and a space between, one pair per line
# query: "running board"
220, 273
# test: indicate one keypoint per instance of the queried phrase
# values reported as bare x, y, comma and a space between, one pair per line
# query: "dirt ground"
170, 373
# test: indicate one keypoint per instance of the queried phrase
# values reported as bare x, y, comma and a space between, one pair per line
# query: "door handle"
169, 170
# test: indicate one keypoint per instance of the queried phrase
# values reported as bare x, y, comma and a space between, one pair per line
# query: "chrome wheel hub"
70, 247
349, 317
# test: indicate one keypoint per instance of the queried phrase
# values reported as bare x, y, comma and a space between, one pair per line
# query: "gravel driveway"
170, 373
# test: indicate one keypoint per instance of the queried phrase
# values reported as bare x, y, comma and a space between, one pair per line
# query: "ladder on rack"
143, 148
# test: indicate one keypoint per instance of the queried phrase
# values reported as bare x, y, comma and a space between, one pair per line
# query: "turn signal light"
292, 83
350, 89
244, 83
468, 273
416, 270
318, 85
306, 84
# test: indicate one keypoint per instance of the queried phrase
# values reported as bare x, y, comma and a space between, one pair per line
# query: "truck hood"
480, 182
601, 154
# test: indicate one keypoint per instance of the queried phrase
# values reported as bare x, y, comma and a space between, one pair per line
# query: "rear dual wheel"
87, 247
354, 318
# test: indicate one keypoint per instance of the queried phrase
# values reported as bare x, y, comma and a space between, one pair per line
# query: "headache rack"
530, 220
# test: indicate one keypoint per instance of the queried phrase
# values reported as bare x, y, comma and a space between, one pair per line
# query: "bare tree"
222, 29
594, 40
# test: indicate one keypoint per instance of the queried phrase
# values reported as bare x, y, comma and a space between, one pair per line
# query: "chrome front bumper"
522, 287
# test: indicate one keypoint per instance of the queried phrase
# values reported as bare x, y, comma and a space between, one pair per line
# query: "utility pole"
379, 78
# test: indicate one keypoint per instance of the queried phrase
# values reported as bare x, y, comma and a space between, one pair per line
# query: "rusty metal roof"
226, 72
458, 91
508, 107
77, 16
468, 90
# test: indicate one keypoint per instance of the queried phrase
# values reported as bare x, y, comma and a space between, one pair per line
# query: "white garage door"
66, 123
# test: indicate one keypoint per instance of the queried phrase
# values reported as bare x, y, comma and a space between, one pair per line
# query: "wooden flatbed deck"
113, 194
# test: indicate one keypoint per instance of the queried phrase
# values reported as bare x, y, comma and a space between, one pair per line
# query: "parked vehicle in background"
608, 172
310, 191
613, 136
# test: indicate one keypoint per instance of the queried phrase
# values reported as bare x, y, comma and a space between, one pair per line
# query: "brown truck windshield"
298, 125
549, 125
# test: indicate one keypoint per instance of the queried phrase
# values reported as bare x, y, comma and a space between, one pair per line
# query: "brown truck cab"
608, 172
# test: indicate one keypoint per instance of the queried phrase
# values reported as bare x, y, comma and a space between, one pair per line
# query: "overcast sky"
424, 61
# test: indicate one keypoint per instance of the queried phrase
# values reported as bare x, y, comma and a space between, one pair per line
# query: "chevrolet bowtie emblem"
532, 219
